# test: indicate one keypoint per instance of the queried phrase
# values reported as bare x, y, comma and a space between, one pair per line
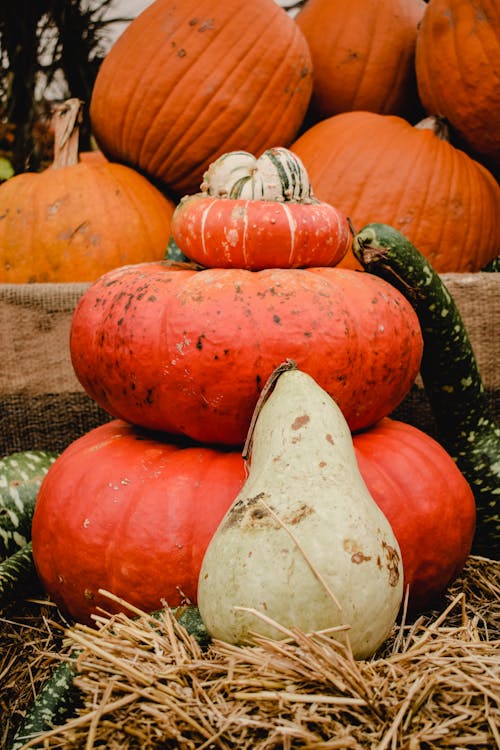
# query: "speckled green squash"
464, 420
60, 698
55, 704
17, 573
21, 475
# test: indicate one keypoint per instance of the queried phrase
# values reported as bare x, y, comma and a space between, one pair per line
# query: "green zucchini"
17, 574
465, 423
21, 475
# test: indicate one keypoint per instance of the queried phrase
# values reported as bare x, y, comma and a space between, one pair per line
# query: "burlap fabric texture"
43, 406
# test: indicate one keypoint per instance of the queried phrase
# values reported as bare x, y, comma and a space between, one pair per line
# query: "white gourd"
304, 542
277, 175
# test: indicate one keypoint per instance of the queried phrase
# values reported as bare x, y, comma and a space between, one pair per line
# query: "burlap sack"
43, 406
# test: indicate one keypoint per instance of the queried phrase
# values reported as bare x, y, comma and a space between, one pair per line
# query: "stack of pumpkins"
179, 355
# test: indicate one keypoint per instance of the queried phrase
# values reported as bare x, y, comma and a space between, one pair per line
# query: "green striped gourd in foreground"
17, 575
465, 423
21, 475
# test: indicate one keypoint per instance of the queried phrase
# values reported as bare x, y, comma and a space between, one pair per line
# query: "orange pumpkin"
76, 220
187, 352
457, 54
379, 168
363, 54
187, 82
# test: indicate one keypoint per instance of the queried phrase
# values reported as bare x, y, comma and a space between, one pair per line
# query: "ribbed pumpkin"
188, 352
363, 54
380, 168
458, 70
131, 513
78, 219
187, 82
258, 213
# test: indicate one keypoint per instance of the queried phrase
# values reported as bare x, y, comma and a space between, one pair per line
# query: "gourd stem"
437, 124
66, 123
289, 364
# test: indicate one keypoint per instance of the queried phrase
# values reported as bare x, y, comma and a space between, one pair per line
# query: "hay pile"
436, 683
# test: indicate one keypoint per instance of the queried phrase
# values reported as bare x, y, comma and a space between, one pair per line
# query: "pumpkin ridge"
436, 176
477, 218
383, 145
244, 248
397, 72
408, 169
134, 83
133, 199
366, 60
492, 61
197, 125
180, 146
280, 113
292, 226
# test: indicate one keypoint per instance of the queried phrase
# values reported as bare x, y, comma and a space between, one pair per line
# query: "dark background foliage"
49, 50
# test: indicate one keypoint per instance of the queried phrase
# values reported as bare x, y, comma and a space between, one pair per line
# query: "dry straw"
436, 684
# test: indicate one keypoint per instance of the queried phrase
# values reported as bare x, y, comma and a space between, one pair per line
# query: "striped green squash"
277, 175
21, 475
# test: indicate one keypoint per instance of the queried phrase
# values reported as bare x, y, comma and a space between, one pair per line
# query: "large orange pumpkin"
380, 168
363, 54
188, 81
188, 352
458, 71
78, 219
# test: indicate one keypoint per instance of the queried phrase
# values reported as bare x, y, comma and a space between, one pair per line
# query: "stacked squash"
179, 356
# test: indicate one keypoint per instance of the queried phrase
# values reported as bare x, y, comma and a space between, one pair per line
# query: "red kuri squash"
187, 351
130, 513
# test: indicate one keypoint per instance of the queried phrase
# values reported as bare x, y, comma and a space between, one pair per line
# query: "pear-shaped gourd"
304, 544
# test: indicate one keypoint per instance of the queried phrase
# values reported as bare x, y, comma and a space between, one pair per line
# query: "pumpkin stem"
437, 124
66, 121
